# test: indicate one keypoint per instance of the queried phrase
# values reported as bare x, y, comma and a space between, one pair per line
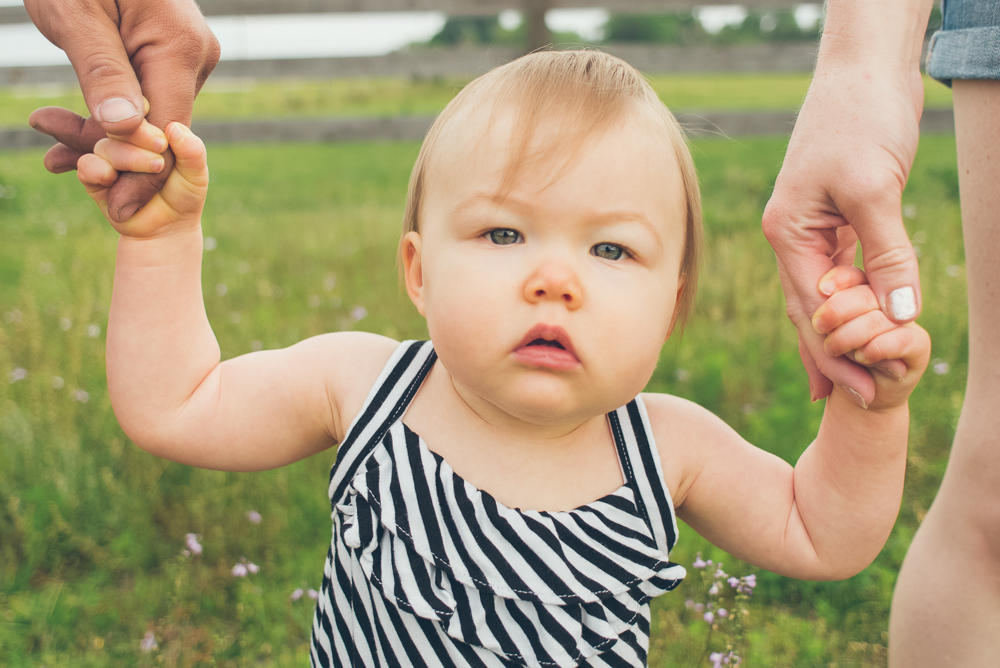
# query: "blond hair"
589, 92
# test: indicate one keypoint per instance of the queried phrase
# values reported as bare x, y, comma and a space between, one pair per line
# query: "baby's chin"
546, 400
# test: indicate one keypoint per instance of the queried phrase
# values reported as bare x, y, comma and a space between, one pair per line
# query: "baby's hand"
855, 326
179, 203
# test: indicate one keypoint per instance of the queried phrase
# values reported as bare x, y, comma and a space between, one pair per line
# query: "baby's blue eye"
503, 237
608, 251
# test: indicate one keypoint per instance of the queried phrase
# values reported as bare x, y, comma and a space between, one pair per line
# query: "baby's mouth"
547, 346
551, 344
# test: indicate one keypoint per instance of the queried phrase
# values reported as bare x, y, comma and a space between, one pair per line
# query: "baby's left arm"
828, 517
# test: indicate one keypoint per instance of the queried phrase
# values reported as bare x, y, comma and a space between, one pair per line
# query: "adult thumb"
109, 84
891, 265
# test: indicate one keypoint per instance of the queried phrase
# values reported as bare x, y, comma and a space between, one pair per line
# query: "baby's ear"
681, 283
413, 269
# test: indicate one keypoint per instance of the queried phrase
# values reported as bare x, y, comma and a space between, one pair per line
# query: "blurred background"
111, 557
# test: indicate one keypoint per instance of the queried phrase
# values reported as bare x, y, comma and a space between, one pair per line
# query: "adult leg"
946, 608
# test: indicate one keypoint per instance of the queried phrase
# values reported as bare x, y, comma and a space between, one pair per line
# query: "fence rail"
18, 14
414, 127
472, 61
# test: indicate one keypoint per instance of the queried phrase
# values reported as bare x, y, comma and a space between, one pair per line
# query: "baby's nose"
554, 281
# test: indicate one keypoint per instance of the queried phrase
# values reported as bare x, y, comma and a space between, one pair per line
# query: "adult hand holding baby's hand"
178, 204
851, 324
842, 181
116, 45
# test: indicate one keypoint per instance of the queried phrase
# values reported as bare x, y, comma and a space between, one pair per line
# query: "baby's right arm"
170, 392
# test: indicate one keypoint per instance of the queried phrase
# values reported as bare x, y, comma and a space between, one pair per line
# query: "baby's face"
551, 302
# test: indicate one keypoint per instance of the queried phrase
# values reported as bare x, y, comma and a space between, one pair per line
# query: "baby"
503, 494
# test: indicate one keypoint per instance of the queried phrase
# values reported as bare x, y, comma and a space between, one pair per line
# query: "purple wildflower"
698, 562
296, 595
253, 568
239, 570
253, 516
312, 594
148, 643
714, 589
709, 616
192, 543
723, 612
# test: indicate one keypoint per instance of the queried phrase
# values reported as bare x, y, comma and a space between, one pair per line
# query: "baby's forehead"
485, 155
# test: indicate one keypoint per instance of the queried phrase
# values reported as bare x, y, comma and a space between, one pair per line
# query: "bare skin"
825, 519
946, 609
844, 172
122, 50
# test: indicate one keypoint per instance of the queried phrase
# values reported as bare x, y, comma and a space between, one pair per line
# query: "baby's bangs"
577, 95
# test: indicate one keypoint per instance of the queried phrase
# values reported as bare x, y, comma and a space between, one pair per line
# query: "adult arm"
122, 50
843, 176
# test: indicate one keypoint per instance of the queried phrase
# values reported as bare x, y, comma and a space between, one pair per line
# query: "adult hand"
122, 50
842, 181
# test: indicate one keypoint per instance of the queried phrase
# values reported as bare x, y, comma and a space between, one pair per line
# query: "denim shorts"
968, 44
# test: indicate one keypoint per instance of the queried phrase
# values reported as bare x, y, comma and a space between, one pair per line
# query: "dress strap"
640, 463
389, 397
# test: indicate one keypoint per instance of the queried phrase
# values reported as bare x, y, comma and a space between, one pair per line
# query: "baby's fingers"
126, 157
189, 150
840, 278
857, 332
909, 343
148, 136
95, 172
844, 306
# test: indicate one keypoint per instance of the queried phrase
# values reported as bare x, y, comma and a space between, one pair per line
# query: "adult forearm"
849, 482
880, 34
160, 345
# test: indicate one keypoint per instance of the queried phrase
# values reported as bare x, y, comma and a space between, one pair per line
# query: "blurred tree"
685, 29
659, 28
469, 30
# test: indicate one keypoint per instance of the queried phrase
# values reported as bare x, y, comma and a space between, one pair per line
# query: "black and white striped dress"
426, 570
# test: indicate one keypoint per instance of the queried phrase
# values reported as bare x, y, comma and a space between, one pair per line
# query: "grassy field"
249, 99
92, 528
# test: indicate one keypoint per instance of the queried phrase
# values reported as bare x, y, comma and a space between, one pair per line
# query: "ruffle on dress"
536, 588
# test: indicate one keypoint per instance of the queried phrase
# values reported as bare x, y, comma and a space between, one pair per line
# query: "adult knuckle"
102, 66
893, 257
773, 221
876, 186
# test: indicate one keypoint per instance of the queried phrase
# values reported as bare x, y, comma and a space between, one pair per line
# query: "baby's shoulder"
687, 436
349, 364
678, 419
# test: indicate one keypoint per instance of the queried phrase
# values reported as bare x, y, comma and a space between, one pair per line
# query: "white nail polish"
902, 303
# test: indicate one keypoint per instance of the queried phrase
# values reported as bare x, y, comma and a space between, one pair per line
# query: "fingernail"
160, 144
127, 212
889, 373
116, 109
860, 400
827, 287
156, 165
860, 357
902, 303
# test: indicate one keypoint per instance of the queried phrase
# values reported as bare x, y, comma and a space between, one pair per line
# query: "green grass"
234, 100
92, 527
